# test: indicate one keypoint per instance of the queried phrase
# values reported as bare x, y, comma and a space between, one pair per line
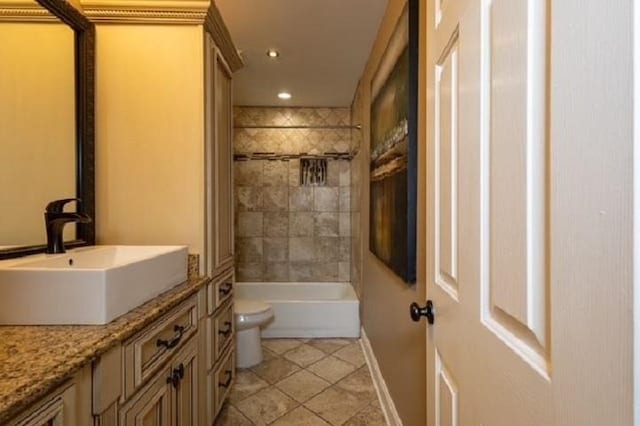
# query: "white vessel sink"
89, 285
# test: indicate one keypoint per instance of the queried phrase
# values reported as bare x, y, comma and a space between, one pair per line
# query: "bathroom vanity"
168, 362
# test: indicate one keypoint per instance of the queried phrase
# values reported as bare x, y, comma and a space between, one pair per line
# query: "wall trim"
146, 11
386, 402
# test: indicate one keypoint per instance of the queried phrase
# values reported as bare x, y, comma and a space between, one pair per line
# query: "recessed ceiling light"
272, 53
284, 95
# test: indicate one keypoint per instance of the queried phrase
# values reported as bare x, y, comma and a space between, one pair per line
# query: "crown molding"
24, 11
218, 30
188, 12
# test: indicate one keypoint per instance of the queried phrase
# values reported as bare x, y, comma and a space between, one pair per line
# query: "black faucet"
55, 219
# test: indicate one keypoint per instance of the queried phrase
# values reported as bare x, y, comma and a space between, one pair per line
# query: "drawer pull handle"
226, 332
168, 344
225, 289
226, 384
176, 376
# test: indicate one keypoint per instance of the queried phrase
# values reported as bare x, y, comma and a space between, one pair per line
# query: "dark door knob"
416, 312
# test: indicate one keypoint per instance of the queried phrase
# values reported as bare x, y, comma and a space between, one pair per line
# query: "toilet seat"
251, 313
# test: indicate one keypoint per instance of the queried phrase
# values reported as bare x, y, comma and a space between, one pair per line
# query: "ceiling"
323, 45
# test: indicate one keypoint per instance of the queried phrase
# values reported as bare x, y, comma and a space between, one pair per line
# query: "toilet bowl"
249, 315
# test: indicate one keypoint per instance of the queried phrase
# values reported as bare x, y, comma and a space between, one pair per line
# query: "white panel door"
530, 228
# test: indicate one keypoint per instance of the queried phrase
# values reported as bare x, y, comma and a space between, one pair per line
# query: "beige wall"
150, 135
37, 127
398, 343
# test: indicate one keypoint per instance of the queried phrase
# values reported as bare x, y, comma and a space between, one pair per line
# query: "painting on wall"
393, 150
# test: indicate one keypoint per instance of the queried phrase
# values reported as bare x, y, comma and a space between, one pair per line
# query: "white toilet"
249, 316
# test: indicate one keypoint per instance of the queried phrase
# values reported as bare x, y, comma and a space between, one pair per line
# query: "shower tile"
276, 249
326, 224
345, 248
248, 198
276, 271
327, 249
248, 173
345, 199
247, 272
301, 224
345, 224
345, 173
325, 199
249, 224
333, 173
276, 173
294, 173
301, 271
276, 224
275, 198
301, 249
249, 250
301, 199
325, 271
344, 272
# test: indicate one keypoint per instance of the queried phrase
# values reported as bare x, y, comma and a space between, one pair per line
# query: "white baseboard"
386, 403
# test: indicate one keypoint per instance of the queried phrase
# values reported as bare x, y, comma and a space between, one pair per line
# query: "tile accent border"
386, 403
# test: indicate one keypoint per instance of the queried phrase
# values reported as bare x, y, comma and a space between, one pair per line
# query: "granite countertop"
34, 360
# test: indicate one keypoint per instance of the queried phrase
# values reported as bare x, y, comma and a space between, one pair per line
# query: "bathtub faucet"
55, 219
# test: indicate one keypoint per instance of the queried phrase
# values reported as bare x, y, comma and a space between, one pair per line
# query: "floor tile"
280, 346
352, 354
275, 370
336, 405
302, 385
266, 406
370, 416
328, 346
304, 355
230, 416
331, 369
300, 417
246, 383
359, 382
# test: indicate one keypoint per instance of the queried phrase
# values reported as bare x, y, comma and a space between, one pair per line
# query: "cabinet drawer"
146, 352
220, 331
219, 382
219, 291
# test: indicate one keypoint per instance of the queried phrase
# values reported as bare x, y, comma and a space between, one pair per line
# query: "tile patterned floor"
307, 383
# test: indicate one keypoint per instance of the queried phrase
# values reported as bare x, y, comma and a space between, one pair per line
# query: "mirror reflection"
37, 120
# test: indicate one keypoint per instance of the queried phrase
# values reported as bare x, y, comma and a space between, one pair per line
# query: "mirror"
46, 121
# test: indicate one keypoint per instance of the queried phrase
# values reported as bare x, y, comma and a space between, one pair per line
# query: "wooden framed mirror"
47, 133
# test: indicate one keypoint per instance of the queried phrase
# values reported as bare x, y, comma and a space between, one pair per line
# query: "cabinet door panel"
151, 406
186, 394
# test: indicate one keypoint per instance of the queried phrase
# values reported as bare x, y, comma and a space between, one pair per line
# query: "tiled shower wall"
285, 231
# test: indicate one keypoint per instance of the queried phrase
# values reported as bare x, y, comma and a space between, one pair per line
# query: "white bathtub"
306, 309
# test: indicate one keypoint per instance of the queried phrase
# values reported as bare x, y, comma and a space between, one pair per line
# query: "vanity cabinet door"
57, 411
219, 160
186, 393
152, 405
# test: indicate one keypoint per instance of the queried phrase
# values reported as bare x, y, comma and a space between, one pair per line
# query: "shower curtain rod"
357, 127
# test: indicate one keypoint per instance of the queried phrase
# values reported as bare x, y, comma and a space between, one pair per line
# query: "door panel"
446, 134
510, 244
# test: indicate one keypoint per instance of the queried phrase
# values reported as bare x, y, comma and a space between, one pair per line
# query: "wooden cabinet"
218, 159
152, 405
